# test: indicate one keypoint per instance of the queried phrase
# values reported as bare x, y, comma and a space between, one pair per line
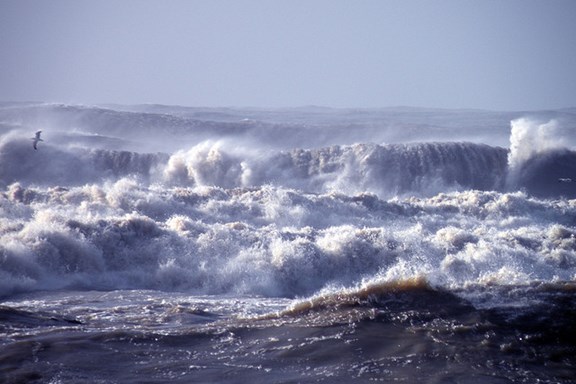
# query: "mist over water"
324, 216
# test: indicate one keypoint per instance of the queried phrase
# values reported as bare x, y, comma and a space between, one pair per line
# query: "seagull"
37, 139
565, 180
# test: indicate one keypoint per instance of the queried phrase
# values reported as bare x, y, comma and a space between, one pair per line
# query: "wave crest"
386, 170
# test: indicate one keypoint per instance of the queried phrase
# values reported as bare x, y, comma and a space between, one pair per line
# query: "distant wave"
62, 166
155, 127
166, 128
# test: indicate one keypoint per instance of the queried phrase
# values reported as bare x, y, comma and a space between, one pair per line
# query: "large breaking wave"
225, 212
387, 170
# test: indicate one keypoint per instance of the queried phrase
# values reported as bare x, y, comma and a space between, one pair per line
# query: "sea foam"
228, 216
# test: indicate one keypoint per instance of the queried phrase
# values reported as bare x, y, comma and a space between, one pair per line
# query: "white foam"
273, 241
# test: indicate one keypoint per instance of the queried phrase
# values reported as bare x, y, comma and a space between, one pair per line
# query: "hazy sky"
491, 54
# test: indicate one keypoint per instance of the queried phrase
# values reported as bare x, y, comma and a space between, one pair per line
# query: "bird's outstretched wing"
36, 139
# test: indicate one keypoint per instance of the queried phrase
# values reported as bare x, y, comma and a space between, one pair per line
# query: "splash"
530, 138
541, 154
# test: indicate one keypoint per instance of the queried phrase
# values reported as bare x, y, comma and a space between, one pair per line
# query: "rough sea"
165, 244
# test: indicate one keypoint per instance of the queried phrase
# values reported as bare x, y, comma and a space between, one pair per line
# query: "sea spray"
541, 153
529, 138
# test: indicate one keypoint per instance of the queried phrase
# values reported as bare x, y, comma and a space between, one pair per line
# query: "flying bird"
565, 180
37, 139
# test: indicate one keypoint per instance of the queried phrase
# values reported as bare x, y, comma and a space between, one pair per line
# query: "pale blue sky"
490, 54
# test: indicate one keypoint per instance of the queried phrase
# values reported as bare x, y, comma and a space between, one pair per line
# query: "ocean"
156, 244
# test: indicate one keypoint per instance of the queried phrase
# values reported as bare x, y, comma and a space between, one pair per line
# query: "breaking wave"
229, 215
387, 170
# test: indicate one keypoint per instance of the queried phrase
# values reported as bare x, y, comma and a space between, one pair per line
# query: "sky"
485, 54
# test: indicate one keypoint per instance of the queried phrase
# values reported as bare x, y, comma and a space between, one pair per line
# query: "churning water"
168, 244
